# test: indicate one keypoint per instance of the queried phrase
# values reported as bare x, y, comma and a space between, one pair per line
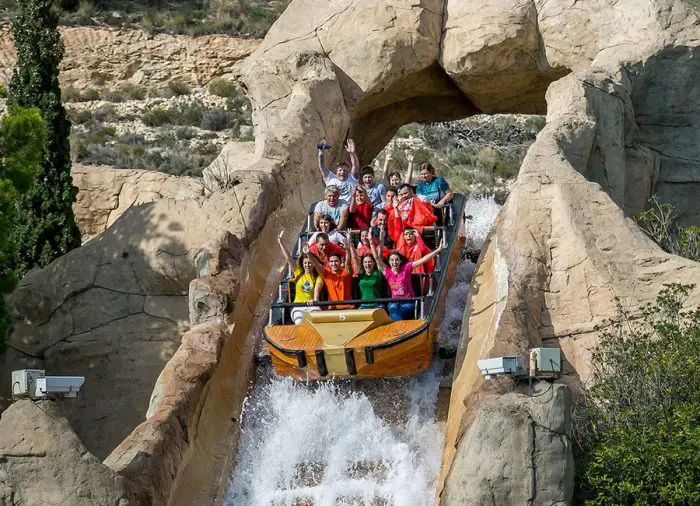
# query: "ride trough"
365, 342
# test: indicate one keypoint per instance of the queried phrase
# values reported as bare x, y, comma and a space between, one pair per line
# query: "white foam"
483, 212
326, 445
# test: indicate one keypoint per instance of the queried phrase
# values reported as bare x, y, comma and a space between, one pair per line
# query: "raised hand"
390, 151
410, 156
350, 146
305, 247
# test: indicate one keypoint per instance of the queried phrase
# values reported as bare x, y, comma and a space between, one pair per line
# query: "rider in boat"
305, 277
344, 179
398, 276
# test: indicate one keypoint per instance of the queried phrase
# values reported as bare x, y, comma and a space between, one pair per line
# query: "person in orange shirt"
337, 279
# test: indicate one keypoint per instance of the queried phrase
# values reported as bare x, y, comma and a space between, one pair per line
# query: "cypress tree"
46, 227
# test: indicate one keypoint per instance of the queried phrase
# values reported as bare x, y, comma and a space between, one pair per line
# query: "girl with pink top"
398, 276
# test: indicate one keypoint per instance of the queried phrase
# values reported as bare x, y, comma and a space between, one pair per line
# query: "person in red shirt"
360, 211
411, 246
337, 279
323, 248
409, 211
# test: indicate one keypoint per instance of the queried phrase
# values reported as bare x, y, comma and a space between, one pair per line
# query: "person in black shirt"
381, 222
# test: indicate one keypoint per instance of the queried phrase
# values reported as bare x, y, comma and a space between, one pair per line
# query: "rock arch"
617, 80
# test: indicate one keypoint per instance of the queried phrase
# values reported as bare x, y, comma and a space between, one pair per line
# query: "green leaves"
642, 443
46, 226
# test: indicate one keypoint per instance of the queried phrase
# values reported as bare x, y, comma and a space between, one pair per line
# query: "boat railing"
419, 308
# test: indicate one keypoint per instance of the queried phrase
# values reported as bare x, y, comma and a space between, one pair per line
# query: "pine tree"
46, 228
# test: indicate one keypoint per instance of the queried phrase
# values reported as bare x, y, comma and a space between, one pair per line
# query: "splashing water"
360, 443
483, 212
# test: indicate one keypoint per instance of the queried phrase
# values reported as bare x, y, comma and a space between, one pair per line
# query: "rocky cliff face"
109, 56
562, 247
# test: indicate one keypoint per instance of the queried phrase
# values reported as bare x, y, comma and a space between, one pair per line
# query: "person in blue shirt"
432, 188
375, 191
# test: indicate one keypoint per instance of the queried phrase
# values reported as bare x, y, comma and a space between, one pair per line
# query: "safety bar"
320, 303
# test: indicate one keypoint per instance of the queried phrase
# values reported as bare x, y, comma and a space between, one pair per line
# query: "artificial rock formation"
42, 461
114, 310
105, 193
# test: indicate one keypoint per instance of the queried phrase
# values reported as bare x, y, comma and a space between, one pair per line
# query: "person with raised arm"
305, 277
337, 279
411, 246
398, 276
332, 207
343, 178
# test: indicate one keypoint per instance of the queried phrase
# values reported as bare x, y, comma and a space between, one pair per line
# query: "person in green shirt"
369, 279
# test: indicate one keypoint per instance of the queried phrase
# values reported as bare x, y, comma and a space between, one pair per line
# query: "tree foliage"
641, 444
660, 222
46, 227
22, 143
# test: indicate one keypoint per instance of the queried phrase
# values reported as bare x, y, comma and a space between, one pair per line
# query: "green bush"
216, 120
155, 117
23, 137
179, 88
3, 91
660, 222
132, 91
641, 440
223, 88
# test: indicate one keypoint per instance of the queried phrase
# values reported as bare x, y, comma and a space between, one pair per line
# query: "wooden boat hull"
409, 353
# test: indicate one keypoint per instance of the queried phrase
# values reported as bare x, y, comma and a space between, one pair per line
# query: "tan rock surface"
152, 454
114, 309
562, 250
531, 462
104, 56
42, 461
104, 193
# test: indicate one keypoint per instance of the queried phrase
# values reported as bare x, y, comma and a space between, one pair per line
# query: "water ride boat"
365, 342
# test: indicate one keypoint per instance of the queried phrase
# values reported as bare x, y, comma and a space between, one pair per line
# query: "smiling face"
394, 262
364, 237
322, 245
380, 220
368, 264
334, 263
368, 179
360, 196
426, 175
307, 265
390, 195
332, 198
405, 193
394, 180
342, 172
324, 225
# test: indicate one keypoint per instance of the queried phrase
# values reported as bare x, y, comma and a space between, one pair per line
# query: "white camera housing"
35, 384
